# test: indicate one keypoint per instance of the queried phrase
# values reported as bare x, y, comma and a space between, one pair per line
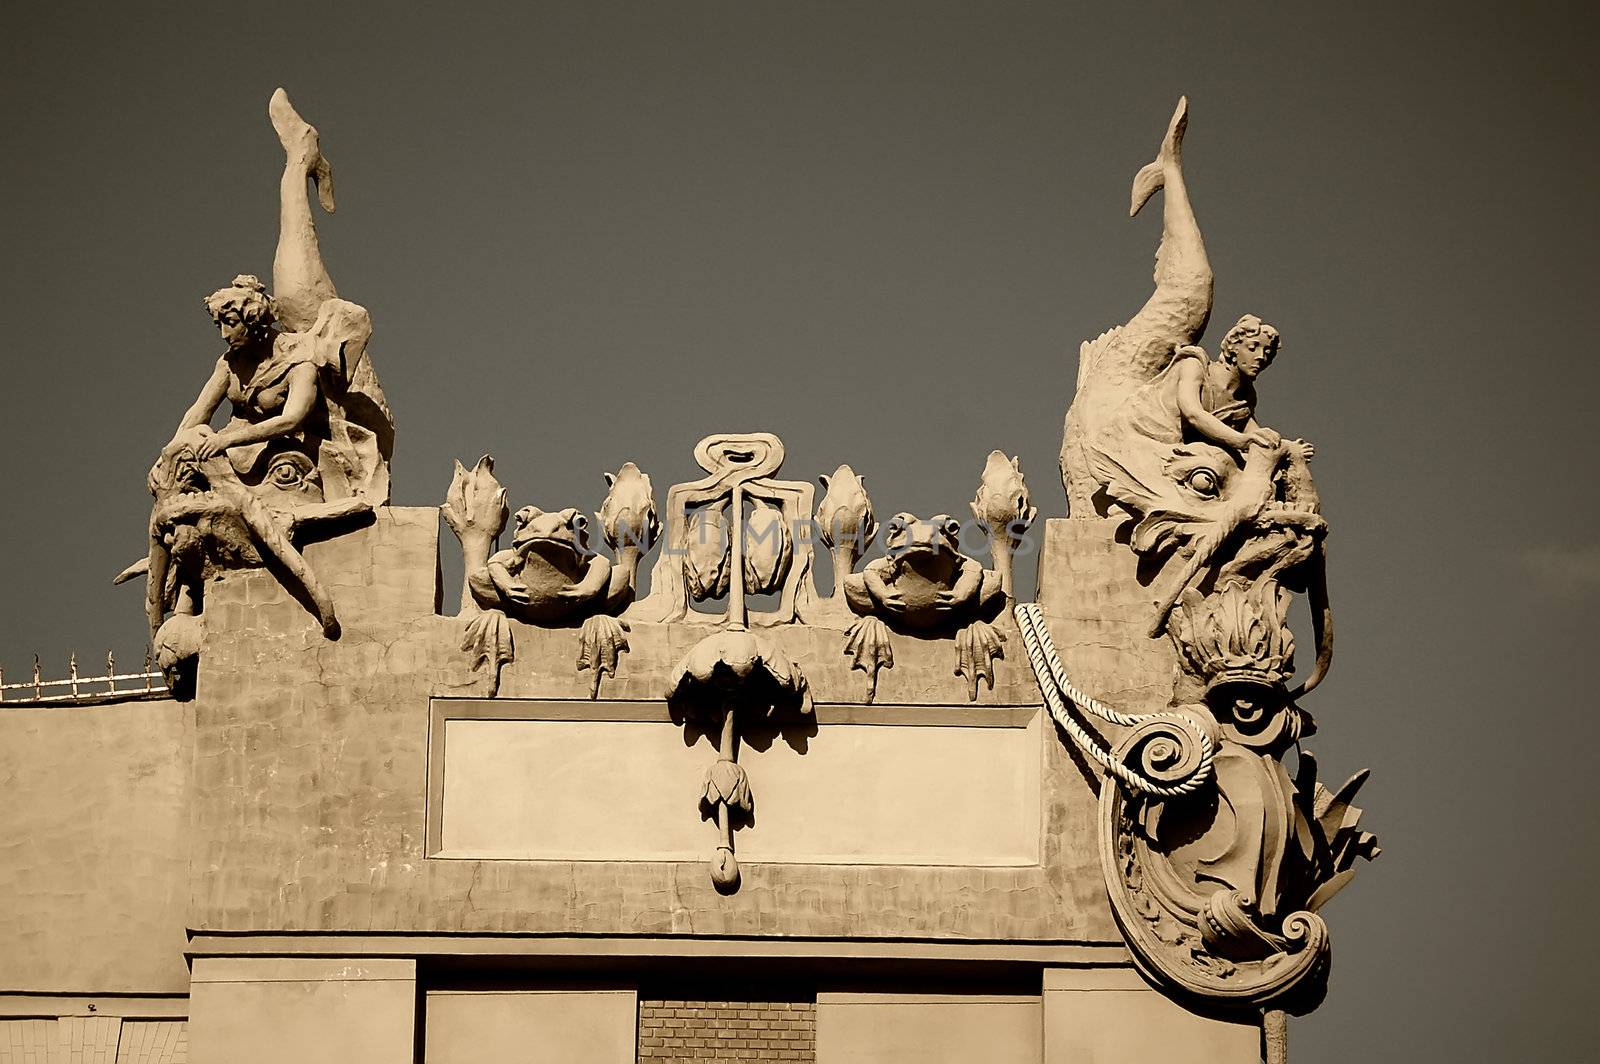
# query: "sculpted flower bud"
727, 782
475, 502
628, 515
475, 509
767, 549
1002, 502
845, 512
707, 564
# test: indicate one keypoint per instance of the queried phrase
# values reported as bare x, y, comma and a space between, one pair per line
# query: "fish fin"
1153, 176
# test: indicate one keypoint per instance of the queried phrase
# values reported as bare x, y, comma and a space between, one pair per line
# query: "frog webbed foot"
488, 639
867, 645
977, 645
601, 643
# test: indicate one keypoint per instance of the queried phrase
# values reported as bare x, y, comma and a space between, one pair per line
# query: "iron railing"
81, 689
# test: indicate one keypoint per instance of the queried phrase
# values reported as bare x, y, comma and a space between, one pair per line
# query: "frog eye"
951, 528
1203, 482
899, 523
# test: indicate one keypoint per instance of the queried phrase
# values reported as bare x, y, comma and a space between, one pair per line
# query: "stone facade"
642, 790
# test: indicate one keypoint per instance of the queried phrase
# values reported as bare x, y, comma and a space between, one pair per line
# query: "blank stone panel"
530, 1027
882, 785
303, 1010
894, 1028
1111, 1016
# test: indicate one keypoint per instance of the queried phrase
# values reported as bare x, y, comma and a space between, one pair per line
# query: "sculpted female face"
231, 324
242, 312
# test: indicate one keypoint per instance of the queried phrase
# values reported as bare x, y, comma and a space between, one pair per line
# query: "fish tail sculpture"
1116, 362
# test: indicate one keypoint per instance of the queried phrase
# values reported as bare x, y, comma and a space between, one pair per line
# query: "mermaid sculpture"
309, 439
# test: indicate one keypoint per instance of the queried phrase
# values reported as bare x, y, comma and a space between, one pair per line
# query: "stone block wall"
685, 1031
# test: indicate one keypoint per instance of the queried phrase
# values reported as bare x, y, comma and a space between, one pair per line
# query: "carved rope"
1053, 682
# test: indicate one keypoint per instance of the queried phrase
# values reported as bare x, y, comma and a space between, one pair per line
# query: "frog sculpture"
553, 575
926, 584
549, 574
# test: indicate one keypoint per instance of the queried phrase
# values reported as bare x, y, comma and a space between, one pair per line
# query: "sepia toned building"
733, 811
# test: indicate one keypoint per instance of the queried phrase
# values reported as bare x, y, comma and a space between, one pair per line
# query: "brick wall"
688, 1032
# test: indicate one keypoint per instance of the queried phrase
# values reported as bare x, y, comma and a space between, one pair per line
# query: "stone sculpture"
731, 678
1005, 508
1192, 529
309, 439
847, 526
1216, 859
728, 681
551, 575
296, 370
925, 584
710, 537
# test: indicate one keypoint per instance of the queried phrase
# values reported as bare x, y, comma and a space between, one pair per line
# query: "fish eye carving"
289, 471
1203, 482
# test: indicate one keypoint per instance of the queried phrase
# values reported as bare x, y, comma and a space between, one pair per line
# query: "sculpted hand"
517, 592
1262, 438
1307, 450
213, 445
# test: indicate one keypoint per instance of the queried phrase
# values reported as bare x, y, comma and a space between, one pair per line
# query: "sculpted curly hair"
1245, 328
248, 297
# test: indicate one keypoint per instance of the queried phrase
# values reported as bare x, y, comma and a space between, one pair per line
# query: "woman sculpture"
309, 440
295, 370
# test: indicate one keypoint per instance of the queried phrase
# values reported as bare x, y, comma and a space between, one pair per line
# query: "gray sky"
589, 234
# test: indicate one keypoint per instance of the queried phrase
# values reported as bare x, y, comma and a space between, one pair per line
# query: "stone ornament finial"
1005, 508
476, 511
847, 526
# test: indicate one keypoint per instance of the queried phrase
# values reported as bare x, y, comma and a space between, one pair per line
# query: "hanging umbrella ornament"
728, 676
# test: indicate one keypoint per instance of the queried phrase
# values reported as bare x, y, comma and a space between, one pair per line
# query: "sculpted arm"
211, 396
878, 587
967, 584
594, 580
497, 579
1207, 424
